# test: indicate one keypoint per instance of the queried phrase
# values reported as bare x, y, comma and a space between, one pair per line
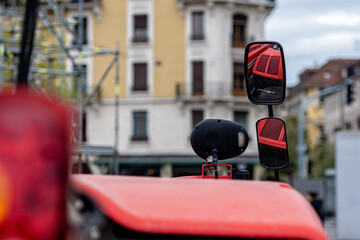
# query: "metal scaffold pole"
56, 62
117, 96
80, 42
2, 44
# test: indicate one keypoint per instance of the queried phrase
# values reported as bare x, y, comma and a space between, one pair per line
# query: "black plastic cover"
229, 138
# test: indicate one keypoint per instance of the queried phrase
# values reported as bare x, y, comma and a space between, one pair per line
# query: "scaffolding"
70, 83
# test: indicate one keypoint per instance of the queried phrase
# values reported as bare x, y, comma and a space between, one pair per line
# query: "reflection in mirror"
265, 78
271, 135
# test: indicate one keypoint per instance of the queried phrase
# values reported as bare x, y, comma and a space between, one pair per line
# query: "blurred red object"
34, 155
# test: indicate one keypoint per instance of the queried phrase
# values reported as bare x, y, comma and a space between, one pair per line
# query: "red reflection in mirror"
254, 51
271, 131
265, 73
269, 64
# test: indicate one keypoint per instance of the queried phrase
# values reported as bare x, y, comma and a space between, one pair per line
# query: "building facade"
342, 114
180, 62
313, 81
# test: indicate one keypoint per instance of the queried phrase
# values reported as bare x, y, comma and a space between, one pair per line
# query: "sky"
314, 31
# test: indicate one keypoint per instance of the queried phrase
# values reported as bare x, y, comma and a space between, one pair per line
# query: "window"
241, 118
76, 29
82, 75
140, 77
197, 116
140, 126
197, 26
238, 80
239, 31
198, 78
140, 28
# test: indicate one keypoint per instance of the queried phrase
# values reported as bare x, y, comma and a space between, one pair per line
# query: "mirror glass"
272, 144
265, 73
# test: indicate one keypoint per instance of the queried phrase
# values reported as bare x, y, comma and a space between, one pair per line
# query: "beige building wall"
314, 117
169, 48
109, 29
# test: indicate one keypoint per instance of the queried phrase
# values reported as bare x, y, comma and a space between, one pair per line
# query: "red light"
34, 151
5, 195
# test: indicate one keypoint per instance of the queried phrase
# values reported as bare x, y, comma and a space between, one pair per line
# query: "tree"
323, 158
292, 138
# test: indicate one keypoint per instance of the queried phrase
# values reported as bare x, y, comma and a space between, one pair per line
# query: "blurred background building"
180, 62
143, 73
323, 115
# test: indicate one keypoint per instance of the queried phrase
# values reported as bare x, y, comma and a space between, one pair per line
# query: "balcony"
215, 91
88, 4
267, 3
197, 37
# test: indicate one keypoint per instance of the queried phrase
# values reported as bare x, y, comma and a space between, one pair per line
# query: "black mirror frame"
258, 144
247, 77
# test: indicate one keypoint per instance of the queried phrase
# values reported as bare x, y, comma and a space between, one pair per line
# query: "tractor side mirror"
272, 143
265, 76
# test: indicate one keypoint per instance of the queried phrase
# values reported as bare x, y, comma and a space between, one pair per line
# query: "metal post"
2, 45
103, 77
47, 23
62, 55
117, 96
27, 41
51, 76
81, 71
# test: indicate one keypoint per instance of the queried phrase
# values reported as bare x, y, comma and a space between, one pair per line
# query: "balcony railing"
195, 37
210, 90
88, 4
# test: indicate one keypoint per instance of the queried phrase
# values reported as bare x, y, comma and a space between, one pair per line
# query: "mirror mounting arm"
276, 174
214, 159
271, 111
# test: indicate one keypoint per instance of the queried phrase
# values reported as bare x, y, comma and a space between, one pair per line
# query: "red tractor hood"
239, 208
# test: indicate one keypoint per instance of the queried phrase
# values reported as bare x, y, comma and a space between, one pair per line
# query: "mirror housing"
265, 75
229, 138
272, 143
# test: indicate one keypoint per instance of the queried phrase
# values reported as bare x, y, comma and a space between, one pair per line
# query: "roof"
332, 73
327, 75
240, 208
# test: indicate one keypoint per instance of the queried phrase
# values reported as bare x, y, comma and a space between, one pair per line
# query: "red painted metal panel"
238, 208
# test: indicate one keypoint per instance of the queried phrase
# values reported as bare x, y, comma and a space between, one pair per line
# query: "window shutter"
198, 77
140, 21
197, 116
140, 77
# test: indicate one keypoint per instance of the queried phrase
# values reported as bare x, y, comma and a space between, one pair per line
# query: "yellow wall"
107, 32
169, 48
314, 115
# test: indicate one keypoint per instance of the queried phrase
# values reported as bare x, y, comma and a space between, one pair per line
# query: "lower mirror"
272, 144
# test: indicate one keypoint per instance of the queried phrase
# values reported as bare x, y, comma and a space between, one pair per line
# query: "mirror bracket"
214, 159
